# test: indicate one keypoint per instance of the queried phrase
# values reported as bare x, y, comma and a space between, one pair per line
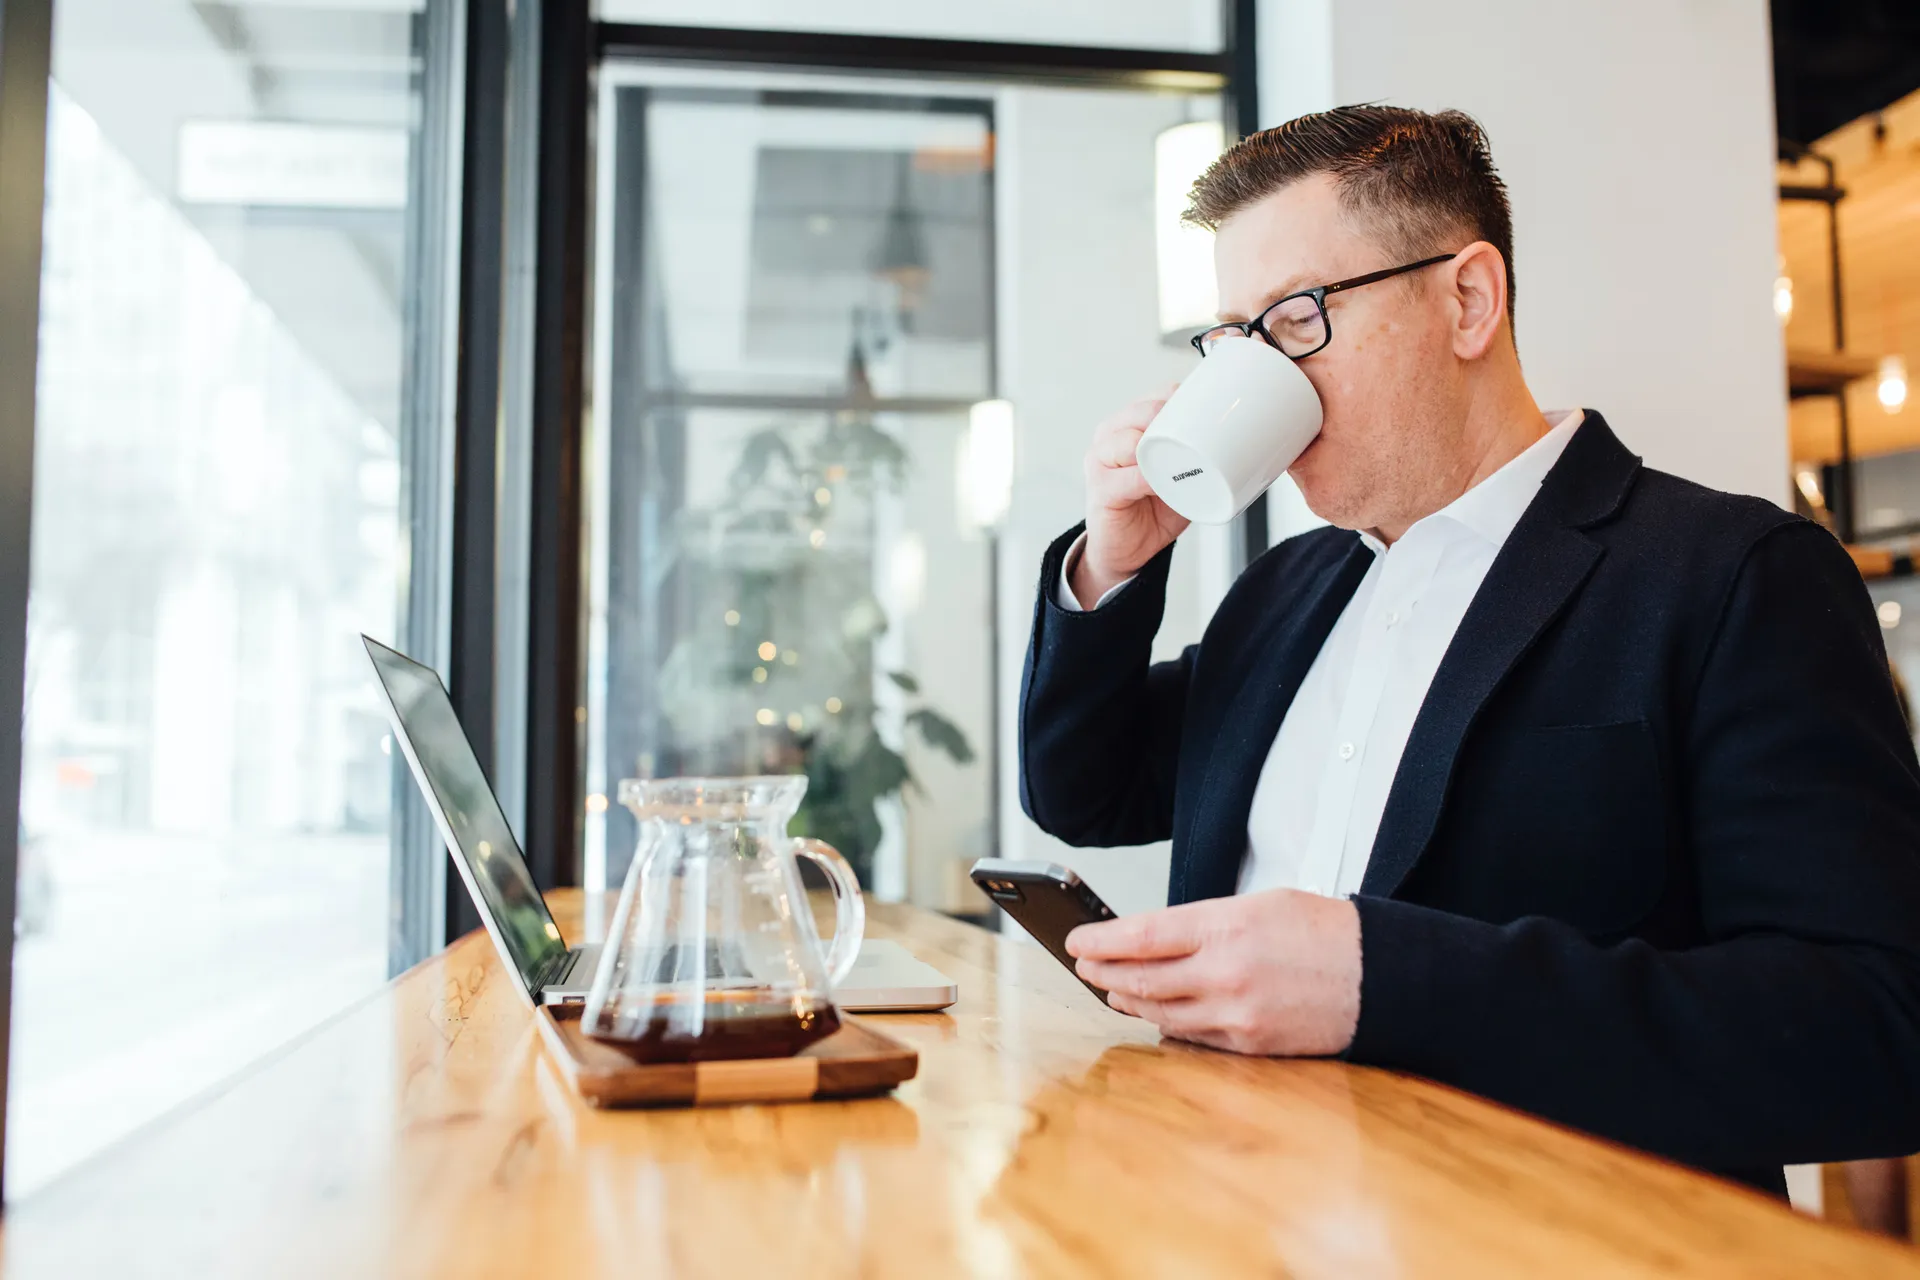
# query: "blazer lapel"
1207, 862
1542, 565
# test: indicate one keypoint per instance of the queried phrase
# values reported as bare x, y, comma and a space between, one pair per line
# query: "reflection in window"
800, 318
205, 790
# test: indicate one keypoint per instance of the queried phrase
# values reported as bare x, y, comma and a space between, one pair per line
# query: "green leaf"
871, 449
863, 621
904, 680
942, 734
759, 451
877, 772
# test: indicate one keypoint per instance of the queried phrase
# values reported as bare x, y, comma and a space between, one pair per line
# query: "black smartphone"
1048, 900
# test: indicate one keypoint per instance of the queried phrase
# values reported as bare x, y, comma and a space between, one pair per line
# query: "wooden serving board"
854, 1060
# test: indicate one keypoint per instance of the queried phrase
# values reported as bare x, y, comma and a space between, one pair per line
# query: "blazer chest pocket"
1567, 822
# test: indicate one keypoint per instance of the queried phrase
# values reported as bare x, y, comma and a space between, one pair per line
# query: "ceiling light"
1893, 383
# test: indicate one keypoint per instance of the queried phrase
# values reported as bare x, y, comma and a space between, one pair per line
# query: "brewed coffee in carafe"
713, 952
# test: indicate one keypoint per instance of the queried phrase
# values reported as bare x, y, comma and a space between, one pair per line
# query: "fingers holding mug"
1118, 486
1115, 446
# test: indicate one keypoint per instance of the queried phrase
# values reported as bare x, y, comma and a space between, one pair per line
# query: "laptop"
885, 978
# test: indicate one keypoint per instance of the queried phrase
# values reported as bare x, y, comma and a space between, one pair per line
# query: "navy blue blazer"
1650, 865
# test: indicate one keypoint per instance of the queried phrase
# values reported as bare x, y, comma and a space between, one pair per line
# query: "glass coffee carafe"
713, 951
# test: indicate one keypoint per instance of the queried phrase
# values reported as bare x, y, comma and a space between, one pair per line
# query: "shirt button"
1393, 616
1346, 751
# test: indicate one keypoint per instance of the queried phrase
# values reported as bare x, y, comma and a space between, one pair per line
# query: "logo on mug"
1188, 475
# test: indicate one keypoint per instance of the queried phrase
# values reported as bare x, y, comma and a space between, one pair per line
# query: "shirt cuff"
1063, 594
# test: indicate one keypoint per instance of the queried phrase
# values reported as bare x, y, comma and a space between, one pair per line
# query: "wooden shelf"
1816, 373
1878, 562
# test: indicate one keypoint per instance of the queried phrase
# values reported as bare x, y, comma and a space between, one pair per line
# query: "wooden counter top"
423, 1133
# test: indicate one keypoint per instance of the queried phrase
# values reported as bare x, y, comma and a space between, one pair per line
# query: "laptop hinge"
550, 973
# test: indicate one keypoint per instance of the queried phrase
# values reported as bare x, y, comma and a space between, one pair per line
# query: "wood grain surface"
426, 1133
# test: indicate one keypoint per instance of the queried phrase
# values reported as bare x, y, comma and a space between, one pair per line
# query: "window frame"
554, 762
26, 43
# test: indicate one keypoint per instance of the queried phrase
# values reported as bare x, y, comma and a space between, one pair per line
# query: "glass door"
796, 306
852, 334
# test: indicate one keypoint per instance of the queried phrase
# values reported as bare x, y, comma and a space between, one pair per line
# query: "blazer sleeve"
1794, 1035
1099, 721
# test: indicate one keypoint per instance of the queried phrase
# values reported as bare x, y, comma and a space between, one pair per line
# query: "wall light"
985, 470
1893, 383
1808, 481
1783, 298
1188, 299
908, 571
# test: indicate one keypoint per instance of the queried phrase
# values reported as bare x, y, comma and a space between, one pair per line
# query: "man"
1539, 773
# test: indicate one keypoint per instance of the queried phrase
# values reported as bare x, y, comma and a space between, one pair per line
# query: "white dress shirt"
1324, 786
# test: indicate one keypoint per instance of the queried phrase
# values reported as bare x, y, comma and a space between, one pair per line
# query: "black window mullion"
554, 637
450, 407
1243, 119
26, 39
1178, 70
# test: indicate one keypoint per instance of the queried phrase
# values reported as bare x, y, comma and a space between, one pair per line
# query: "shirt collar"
1492, 507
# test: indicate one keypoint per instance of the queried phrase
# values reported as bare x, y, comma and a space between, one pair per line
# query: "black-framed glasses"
1297, 325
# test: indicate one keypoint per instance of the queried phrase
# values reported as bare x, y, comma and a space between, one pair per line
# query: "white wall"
1637, 139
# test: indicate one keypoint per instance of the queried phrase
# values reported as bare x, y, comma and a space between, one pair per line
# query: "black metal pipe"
1846, 519
1823, 195
1848, 523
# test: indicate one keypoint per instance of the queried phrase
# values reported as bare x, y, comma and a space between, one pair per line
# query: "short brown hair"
1416, 179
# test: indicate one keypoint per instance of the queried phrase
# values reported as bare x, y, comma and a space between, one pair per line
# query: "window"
813, 518
207, 777
784, 578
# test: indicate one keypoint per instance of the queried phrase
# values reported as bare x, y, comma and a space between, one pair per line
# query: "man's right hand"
1126, 524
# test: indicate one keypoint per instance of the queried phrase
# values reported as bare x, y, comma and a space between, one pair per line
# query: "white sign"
257, 162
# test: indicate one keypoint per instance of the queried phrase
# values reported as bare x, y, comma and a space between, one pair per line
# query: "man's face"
1392, 389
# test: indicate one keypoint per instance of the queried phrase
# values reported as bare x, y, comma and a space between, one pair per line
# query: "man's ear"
1480, 288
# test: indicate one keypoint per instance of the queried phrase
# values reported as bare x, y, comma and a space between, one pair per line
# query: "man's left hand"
1268, 973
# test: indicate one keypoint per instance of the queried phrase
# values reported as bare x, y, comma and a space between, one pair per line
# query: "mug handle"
849, 908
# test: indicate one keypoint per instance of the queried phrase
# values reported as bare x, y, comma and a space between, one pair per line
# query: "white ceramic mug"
1233, 427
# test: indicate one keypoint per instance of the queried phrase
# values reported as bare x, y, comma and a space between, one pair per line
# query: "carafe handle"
849, 908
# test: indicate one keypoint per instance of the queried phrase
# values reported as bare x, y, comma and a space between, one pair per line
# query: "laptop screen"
444, 765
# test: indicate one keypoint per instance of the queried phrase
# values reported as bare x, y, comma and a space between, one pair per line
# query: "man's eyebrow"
1294, 284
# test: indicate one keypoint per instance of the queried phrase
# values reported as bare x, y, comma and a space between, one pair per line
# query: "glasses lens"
1297, 326
1213, 336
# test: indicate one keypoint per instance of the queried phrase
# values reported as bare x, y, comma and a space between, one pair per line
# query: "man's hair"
1423, 183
